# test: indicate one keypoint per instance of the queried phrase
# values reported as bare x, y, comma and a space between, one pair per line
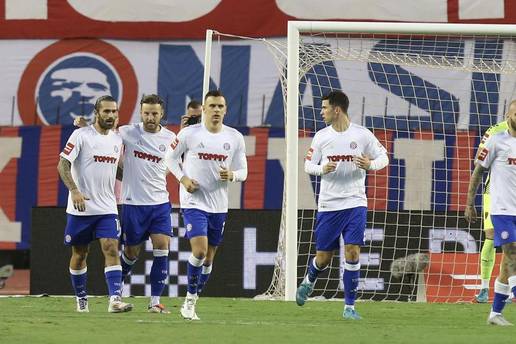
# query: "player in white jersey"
341, 154
214, 154
499, 157
88, 166
146, 207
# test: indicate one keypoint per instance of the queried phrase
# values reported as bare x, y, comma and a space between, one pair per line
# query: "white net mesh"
428, 100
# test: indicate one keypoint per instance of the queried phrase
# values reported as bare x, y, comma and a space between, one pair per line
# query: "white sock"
154, 300
306, 280
493, 314
349, 306
485, 284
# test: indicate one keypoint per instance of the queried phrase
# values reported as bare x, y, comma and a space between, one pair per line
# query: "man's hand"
362, 162
190, 184
78, 200
329, 167
225, 174
184, 121
80, 122
470, 214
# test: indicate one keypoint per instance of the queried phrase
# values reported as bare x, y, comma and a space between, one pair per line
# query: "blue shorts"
81, 230
504, 229
140, 221
330, 225
201, 223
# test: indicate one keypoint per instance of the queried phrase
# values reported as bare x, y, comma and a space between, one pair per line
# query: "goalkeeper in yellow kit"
488, 253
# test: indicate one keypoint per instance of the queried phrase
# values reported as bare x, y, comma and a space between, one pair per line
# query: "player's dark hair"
101, 99
152, 99
338, 98
194, 104
214, 93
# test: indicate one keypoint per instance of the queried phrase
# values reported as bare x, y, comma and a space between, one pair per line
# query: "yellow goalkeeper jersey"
495, 129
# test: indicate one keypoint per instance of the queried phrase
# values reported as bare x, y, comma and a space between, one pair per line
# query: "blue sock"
314, 271
159, 272
79, 278
127, 265
114, 279
193, 270
499, 302
350, 279
205, 275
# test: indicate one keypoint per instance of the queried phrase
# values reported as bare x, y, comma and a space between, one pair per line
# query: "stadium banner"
158, 19
243, 266
245, 261
52, 82
30, 154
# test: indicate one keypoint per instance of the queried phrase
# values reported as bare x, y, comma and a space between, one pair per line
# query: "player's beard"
106, 124
512, 124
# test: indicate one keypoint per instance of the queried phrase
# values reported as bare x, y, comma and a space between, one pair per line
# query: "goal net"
428, 92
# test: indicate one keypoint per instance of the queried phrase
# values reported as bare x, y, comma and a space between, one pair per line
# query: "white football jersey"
345, 187
94, 158
144, 181
499, 155
204, 155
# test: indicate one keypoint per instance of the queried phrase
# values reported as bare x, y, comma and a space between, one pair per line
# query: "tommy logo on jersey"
106, 159
68, 148
336, 158
211, 156
147, 156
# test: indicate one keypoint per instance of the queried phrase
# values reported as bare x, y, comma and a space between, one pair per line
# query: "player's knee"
353, 253
80, 255
132, 252
199, 254
110, 248
510, 251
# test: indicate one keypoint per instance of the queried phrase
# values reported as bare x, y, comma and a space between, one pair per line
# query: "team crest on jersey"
227, 146
504, 235
162, 148
353, 145
115, 149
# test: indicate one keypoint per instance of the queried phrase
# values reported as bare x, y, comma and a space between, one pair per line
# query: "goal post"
428, 92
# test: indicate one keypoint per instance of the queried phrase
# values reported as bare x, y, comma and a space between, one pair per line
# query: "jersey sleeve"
73, 146
123, 131
374, 148
313, 158
487, 153
377, 152
239, 163
173, 155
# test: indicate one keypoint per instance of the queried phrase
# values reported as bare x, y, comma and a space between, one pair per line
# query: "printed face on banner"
64, 80
70, 89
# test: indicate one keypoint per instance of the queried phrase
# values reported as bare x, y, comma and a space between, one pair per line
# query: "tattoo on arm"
64, 169
119, 172
474, 182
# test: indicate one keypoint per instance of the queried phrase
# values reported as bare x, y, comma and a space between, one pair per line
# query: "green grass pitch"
54, 320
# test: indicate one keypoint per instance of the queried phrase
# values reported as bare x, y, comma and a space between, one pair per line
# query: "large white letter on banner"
419, 156
144, 11
399, 10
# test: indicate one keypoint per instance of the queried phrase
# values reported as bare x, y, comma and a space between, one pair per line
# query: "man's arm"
470, 213
119, 172
64, 168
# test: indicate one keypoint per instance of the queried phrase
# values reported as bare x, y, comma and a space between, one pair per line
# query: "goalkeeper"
488, 253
